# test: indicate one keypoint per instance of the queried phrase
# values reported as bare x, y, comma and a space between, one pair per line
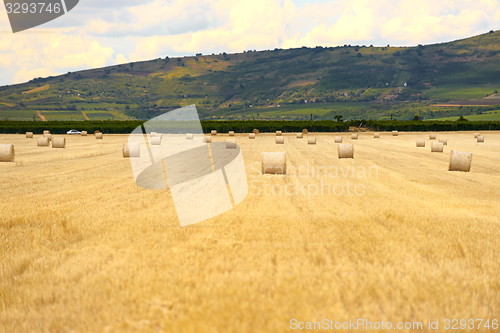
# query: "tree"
339, 118
461, 118
359, 55
417, 118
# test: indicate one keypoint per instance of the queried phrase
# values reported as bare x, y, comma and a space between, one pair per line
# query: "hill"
359, 82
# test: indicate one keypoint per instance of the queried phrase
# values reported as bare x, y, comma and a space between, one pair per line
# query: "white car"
73, 131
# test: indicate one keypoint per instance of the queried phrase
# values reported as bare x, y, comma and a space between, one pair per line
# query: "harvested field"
84, 249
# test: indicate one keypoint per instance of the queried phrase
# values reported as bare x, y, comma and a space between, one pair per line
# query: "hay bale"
84, 133
255, 131
300, 135
48, 136
480, 138
98, 136
420, 143
96, 131
43, 142
274, 163
189, 136
395, 133
444, 141
7, 153
279, 133
346, 150
476, 135
437, 147
251, 135
214, 132
46, 132
305, 131
29, 135
131, 150
460, 161
156, 140
376, 135
311, 140
354, 136
59, 142
338, 139
207, 139
432, 136
231, 133
230, 143
280, 140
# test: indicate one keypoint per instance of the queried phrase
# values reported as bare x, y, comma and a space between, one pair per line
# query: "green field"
460, 92
489, 116
18, 115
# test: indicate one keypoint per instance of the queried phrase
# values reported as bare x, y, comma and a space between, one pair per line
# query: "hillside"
358, 82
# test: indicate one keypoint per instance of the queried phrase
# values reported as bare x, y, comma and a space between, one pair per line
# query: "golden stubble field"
84, 249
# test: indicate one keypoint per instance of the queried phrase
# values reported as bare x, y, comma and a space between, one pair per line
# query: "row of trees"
125, 127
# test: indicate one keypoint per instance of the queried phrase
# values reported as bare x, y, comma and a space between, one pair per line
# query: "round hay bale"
230, 143
354, 136
476, 135
444, 141
346, 150
189, 136
460, 161
29, 135
98, 136
395, 133
280, 140
338, 139
84, 133
214, 132
59, 142
279, 133
437, 147
231, 133
131, 150
251, 135
46, 132
274, 163
480, 138
43, 142
156, 140
300, 135
420, 143
255, 131
207, 139
305, 131
7, 153
48, 136
376, 135
311, 140
432, 136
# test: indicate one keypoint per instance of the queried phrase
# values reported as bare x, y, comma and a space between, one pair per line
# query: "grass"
38, 89
459, 92
489, 116
86, 250
17, 114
